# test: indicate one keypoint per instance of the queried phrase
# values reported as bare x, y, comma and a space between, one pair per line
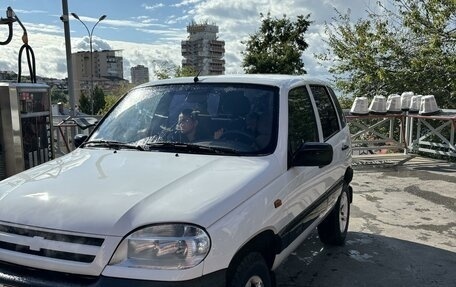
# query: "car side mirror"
313, 154
79, 139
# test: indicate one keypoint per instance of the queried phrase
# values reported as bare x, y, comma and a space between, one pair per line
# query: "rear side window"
302, 126
327, 111
343, 122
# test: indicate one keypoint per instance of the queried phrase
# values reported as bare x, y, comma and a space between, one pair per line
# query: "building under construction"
202, 51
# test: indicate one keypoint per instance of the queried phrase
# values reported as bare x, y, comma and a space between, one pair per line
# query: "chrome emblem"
36, 243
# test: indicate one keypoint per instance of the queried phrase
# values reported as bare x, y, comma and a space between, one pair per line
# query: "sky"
149, 32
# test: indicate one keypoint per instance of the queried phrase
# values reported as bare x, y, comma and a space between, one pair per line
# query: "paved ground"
402, 231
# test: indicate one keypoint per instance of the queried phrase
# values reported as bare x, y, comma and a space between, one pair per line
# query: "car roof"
263, 79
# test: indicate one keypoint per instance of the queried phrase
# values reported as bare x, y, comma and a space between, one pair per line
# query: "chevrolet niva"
205, 181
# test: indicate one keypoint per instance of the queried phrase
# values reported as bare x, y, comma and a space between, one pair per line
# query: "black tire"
252, 268
333, 229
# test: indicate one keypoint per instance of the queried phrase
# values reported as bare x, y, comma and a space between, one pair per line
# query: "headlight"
168, 246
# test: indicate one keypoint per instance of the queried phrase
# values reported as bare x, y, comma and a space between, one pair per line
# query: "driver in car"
186, 127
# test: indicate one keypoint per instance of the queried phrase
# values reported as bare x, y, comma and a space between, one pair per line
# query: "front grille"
18, 275
49, 244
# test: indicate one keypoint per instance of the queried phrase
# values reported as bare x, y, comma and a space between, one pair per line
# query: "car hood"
110, 192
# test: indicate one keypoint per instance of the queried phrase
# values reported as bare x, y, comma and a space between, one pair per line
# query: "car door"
304, 192
334, 129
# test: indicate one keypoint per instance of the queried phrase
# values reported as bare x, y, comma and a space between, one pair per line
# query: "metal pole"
90, 32
66, 26
91, 73
91, 56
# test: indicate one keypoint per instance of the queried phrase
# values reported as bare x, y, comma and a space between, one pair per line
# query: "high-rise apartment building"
106, 72
139, 74
202, 50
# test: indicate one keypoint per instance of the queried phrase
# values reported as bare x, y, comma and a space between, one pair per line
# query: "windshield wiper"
190, 148
112, 144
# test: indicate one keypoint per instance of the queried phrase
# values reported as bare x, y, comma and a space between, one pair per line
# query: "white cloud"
186, 3
152, 56
173, 19
97, 44
20, 11
237, 19
153, 7
40, 28
123, 23
49, 51
50, 54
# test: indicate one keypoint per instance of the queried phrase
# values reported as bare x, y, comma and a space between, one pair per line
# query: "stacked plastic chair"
360, 106
428, 106
378, 105
394, 104
406, 99
415, 103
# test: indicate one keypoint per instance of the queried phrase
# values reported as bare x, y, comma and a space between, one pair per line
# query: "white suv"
208, 181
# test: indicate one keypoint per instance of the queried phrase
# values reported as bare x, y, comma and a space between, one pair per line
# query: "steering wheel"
239, 136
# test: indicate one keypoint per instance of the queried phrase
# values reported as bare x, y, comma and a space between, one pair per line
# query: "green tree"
58, 96
162, 74
98, 100
112, 98
277, 47
178, 71
185, 71
410, 47
84, 104
110, 101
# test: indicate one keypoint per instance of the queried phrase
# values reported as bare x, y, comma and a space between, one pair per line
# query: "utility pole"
90, 33
66, 27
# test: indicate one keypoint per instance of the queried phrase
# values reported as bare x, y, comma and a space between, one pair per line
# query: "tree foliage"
110, 101
185, 71
112, 98
84, 104
410, 47
162, 74
178, 71
98, 100
58, 96
277, 47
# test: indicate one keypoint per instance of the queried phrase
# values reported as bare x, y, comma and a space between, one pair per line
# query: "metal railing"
66, 127
432, 134
404, 133
377, 134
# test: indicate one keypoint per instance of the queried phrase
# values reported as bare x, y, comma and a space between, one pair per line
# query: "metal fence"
404, 133
65, 128
432, 134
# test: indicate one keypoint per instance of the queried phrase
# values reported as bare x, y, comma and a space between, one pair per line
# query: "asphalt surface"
402, 231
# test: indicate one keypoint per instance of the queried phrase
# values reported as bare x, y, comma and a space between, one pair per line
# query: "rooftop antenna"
196, 79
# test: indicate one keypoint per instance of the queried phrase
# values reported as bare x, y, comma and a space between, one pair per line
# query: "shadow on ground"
367, 260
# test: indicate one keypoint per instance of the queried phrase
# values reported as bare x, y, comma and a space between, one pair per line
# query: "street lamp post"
90, 32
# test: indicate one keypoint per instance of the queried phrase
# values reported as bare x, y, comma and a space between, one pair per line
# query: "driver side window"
302, 126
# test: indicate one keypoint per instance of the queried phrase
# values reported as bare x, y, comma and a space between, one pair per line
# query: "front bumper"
20, 276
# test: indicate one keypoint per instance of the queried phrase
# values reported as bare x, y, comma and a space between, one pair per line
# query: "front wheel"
252, 271
333, 229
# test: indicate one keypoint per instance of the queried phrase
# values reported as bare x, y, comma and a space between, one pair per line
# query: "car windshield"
229, 119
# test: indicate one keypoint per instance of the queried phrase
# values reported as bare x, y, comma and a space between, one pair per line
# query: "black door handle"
344, 147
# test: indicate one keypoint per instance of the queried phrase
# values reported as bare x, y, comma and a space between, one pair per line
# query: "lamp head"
75, 15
